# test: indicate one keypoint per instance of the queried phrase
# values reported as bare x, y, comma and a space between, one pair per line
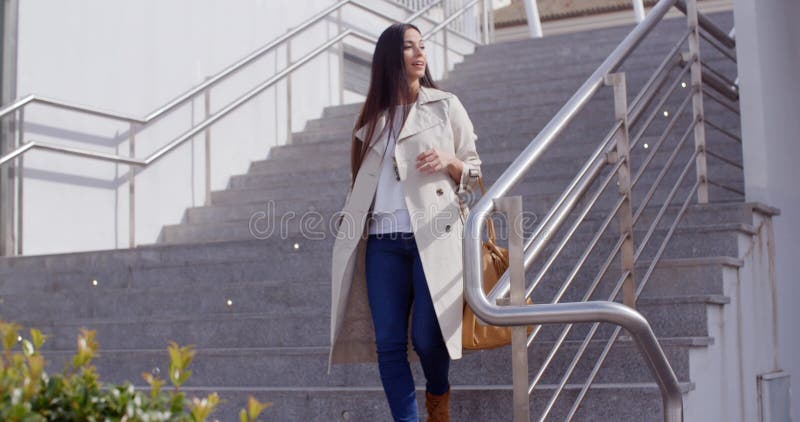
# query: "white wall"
132, 57
768, 49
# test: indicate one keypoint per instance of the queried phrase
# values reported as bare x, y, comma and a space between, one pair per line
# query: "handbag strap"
492, 238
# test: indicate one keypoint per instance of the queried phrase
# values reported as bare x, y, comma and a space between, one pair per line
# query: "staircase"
253, 294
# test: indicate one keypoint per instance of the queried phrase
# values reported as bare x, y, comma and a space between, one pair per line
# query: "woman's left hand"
433, 160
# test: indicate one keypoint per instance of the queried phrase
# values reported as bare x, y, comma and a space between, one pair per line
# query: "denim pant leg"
390, 293
426, 336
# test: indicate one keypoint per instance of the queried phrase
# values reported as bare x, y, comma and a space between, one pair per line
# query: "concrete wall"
132, 58
768, 48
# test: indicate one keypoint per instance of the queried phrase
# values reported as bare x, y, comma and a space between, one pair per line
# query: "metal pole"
697, 102
208, 148
341, 56
490, 21
446, 63
512, 207
617, 81
485, 16
18, 175
288, 94
638, 10
445, 14
132, 189
534, 22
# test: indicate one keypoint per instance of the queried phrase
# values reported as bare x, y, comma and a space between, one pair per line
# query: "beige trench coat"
436, 120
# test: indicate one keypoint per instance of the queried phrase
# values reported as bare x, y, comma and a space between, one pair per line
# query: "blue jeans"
395, 281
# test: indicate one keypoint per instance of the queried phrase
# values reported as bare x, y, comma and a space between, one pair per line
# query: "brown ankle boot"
438, 407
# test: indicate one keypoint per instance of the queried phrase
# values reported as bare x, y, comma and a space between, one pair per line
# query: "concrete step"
519, 118
468, 402
330, 167
334, 164
264, 329
164, 276
549, 89
575, 69
209, 296
307, 366
572, 58
298, 155
312, 225
318, 220
665, 31
212, 264
302, 328
543, 179
183, 298
714, 213
163, 265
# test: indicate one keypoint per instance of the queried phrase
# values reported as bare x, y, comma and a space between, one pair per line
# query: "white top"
390, 214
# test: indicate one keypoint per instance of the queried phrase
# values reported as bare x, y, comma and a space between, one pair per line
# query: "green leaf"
10, 333
87, 348
180, 358
38, 338
254, 407
155, 384
201, 408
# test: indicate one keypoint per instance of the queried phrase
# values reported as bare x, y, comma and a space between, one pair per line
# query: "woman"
399, 242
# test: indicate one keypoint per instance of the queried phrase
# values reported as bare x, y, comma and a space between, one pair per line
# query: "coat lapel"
420, 117
380, 143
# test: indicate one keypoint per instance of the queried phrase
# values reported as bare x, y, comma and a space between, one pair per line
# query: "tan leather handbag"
475, 335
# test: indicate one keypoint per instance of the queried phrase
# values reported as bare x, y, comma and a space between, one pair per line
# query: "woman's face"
414, 55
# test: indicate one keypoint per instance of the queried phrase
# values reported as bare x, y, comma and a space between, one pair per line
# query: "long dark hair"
388, 87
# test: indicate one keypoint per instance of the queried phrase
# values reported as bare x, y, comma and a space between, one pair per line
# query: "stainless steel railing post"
132, 188
485, 21
20, 178
697, 102
339, 28
288, 94
512, 207
207, 107
617, 82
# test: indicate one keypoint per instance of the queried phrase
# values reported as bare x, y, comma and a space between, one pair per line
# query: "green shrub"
29, 394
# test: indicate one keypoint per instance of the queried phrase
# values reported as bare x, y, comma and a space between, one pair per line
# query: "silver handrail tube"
159, 112
195, 130
709, 26
30, 99
609, 312
514, 173
150, 118
443, 24
224, 74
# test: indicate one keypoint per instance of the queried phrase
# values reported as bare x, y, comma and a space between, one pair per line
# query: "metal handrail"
705, 23
161, 152
494, 308
556, 125
138, 124
220, 114
216, 79
445, 22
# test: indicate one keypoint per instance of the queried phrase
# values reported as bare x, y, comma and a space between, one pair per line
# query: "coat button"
439, 191
447, 228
